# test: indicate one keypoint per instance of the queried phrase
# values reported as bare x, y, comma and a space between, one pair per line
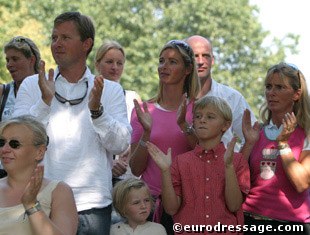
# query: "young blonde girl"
132, 200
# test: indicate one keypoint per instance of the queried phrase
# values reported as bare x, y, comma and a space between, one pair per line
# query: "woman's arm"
250, 133
171, 201
63, 218
138, 158
185, 127
298, 172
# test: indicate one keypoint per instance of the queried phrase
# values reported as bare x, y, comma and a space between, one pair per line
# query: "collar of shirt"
87, 74
272, 131
219, 150
69, 90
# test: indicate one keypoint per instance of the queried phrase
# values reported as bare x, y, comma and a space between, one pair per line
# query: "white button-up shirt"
81, 148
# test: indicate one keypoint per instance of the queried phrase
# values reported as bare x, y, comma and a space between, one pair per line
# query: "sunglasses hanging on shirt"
63, 100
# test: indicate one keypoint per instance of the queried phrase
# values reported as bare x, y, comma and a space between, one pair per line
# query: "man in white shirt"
202, 48
86, 121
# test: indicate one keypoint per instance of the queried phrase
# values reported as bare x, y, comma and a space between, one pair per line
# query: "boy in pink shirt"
207, 185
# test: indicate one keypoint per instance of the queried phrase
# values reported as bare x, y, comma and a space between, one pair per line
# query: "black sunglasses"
24, 40
63, 100
286, 65
183, 45
14, 144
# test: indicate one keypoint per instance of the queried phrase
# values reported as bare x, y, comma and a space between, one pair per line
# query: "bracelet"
142, 143
37, 207
188, 130
283, 146
97, 113
285, 151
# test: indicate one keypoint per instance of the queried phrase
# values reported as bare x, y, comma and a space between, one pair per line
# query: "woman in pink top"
280, 156
158, 120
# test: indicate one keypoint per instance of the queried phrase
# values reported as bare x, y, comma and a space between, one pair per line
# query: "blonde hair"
106, 46
192, 82
292, 76
38, 129
121, 193
216, 102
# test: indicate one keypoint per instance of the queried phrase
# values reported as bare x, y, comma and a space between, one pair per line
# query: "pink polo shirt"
165, 134
199, 179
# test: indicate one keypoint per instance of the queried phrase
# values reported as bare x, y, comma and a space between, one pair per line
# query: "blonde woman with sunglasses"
29, 203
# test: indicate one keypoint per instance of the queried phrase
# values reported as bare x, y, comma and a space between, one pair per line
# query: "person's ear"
87, 44
188, 70
97, 65
32, 61
297, 95
40, 153
226, 126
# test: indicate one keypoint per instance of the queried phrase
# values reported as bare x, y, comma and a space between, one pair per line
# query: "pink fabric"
165, 134
272, 194
199, 179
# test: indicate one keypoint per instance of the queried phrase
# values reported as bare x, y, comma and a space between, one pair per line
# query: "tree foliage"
144, 26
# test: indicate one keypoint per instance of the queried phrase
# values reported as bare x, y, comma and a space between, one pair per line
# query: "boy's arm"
233, 195
171, 201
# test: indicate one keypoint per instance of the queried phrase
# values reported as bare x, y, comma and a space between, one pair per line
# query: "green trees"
143, 27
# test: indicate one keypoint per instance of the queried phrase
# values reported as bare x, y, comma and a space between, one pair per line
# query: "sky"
289, 16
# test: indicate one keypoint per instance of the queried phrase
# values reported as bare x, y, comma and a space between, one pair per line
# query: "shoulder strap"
5, 93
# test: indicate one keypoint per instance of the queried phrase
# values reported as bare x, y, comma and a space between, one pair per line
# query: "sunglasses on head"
24, 40
183, 45
285, 65
14, 144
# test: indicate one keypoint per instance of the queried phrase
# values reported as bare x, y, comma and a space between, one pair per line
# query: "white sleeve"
29, 101
240, 105
113, 126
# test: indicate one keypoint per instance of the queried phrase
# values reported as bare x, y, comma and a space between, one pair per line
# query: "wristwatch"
97, 113
37, 207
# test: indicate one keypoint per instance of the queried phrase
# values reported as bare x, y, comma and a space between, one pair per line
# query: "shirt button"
215, 156
207, 179
208, 161
206, 151
207, 197
207, 216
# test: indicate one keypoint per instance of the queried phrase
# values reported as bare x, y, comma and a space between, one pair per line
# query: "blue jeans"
96, 221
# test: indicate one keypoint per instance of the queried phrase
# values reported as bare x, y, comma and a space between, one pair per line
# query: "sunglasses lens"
2, 143
14, 144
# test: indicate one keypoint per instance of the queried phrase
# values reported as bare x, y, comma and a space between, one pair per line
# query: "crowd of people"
76, 148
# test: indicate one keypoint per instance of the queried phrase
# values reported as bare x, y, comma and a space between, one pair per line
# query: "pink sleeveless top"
272, 193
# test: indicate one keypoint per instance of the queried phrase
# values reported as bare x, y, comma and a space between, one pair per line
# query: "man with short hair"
202, 48
86, 120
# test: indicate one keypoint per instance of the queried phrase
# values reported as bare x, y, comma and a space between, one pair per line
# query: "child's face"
209, 123
138, 206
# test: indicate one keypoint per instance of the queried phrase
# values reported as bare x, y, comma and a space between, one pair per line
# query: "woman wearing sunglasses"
279, 155
159, 121
29, 203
